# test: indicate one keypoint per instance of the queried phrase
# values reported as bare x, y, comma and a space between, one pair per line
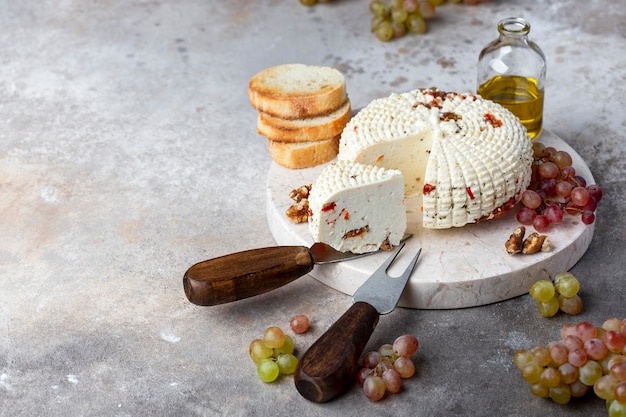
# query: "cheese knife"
329, 366
252, 272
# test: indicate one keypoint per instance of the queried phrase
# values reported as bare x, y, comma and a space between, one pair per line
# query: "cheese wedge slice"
466, 159
357, 208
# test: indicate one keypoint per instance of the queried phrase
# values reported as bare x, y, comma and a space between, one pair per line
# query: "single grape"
568, 329
392, 380
384, 31
586, 330
399, 29
416, 24
558, 352
561, 394
548, 308
612, 323
573, 342
589, 372
378, 8
363, 374
539, 150
531, 373
259, 350
405, 345
426, 9
618, 371
376, 21
580, 196
562, 159
546, 187
299, 324
531, 199
577, 357
541, 355
550, 377
591, 205
399, 15
374, 388
582, 182
526, 216
548, 170
595, 348
569, 373
386, 351
287, 347
578, 389
405, 367
268, 370
522, 357
539, 390
542, 290
541, 223
571, 305
287, 363
371, 360
566, 284
595, 191
587, 217
563, 188
410, 5
274, 337
604, 387
554, 214
617, 409
620, 393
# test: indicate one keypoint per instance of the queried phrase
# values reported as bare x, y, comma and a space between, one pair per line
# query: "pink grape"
374, 388
586, 330
548, 170
568, 173
563, 188
582, 182
595, 191
531, 199
363, 374
405, 367
587, 217
392, 380
541, 223
406, 345
526, 216
580, 196
299, 324
614, 341
371, 359
554, 214
595, 348
620, 392
573, 342
577, 357
562, 159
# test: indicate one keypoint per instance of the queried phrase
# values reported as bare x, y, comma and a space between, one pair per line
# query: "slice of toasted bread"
297, 91
304, 130
303, 154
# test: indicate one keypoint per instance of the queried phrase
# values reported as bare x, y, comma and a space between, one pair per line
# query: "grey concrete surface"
128, 152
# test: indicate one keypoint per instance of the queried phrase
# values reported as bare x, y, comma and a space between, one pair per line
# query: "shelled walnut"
532, 244
299, 211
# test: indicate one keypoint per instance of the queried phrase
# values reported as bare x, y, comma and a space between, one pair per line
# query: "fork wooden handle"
328, 368
245, 274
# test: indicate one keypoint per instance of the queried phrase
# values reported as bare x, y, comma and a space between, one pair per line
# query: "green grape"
589, 372
287, 363
274, 337
416, 24
531, 373
379, 8
550, 377
384, 31
542, 290
287, 347
541, 355
399, 15
549, 308
561, 394
604, 387
395, 4
566, 284
522, 357
259, 350
308, 2
617, 409
539, 390
376, 21
387, 352
426, 9
399, 29
374, 388
268, 370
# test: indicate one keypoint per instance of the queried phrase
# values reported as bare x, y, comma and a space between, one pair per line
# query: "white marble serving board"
459, 267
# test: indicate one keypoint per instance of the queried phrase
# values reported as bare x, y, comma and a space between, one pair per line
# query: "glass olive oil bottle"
512, 72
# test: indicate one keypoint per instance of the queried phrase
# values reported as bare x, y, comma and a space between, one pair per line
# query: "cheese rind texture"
357, 208
468, 158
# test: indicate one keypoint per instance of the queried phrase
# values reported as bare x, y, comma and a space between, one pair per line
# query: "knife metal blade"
328, 367
253, 272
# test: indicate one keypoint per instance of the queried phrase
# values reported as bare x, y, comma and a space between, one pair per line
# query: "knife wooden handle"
245, 274
329, 367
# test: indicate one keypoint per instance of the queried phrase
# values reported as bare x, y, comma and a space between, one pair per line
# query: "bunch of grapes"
586, 359
273, 354
555, 190
396, 18
384, 369
562, 294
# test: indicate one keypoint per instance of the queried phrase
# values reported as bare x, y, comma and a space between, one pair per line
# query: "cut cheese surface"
469, 159
357, 208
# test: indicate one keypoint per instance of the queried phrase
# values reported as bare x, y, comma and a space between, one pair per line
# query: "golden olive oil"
521, 96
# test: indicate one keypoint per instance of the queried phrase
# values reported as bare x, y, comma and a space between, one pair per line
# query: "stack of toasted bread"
302, 112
